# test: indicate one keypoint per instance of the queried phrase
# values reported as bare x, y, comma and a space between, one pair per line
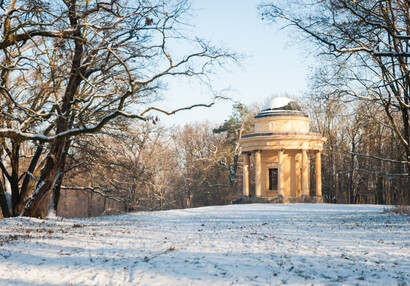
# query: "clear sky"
271, 65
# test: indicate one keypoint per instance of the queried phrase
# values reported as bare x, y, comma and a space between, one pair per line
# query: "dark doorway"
273, 179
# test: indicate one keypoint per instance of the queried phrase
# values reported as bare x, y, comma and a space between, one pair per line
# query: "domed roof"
281, 106
281, 103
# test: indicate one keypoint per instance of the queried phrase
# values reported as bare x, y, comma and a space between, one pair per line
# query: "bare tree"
70, 67
362, 161
204, 178
368, 43
128, 163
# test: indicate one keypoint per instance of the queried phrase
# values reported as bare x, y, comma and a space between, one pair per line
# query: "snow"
255, 244
277, 102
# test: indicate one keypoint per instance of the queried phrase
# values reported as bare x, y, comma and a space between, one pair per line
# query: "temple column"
281, 177
318, 172
246, 163
305, 173
258, 174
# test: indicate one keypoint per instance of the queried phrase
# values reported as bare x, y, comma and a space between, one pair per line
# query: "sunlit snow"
258, 244
277, 102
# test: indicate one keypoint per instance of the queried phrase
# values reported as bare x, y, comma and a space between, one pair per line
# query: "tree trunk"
25, 188
189, 199
352, 172
232, 171
90, 204
406, 128
41, 198
333, 188
379, 183
379, 186
60, 176
234, 168
3, 202
57, 190
14, 180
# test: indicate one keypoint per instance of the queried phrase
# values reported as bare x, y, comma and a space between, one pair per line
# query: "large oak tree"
70, 67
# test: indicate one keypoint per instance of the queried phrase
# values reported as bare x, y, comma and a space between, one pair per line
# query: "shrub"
398, 209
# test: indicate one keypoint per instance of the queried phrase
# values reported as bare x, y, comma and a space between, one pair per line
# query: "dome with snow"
281, 106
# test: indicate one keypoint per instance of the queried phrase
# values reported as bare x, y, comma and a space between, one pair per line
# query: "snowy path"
295, 244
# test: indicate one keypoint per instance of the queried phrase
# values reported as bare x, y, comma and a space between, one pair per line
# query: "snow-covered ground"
258, 244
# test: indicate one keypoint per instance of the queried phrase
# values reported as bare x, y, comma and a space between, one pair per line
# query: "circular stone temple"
282, 145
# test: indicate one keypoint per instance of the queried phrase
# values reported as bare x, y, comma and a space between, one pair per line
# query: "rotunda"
281, 145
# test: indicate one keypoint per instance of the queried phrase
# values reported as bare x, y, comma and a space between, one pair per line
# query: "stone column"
246, 163
258, 174
281, 177
318, 172
305, 173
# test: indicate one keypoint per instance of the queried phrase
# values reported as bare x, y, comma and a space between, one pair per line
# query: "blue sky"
271, 65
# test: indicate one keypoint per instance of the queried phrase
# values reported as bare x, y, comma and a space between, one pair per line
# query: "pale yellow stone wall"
308, 141
282, 123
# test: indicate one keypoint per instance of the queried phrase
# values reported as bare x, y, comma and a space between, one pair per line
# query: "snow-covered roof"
280, 106
281, 103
